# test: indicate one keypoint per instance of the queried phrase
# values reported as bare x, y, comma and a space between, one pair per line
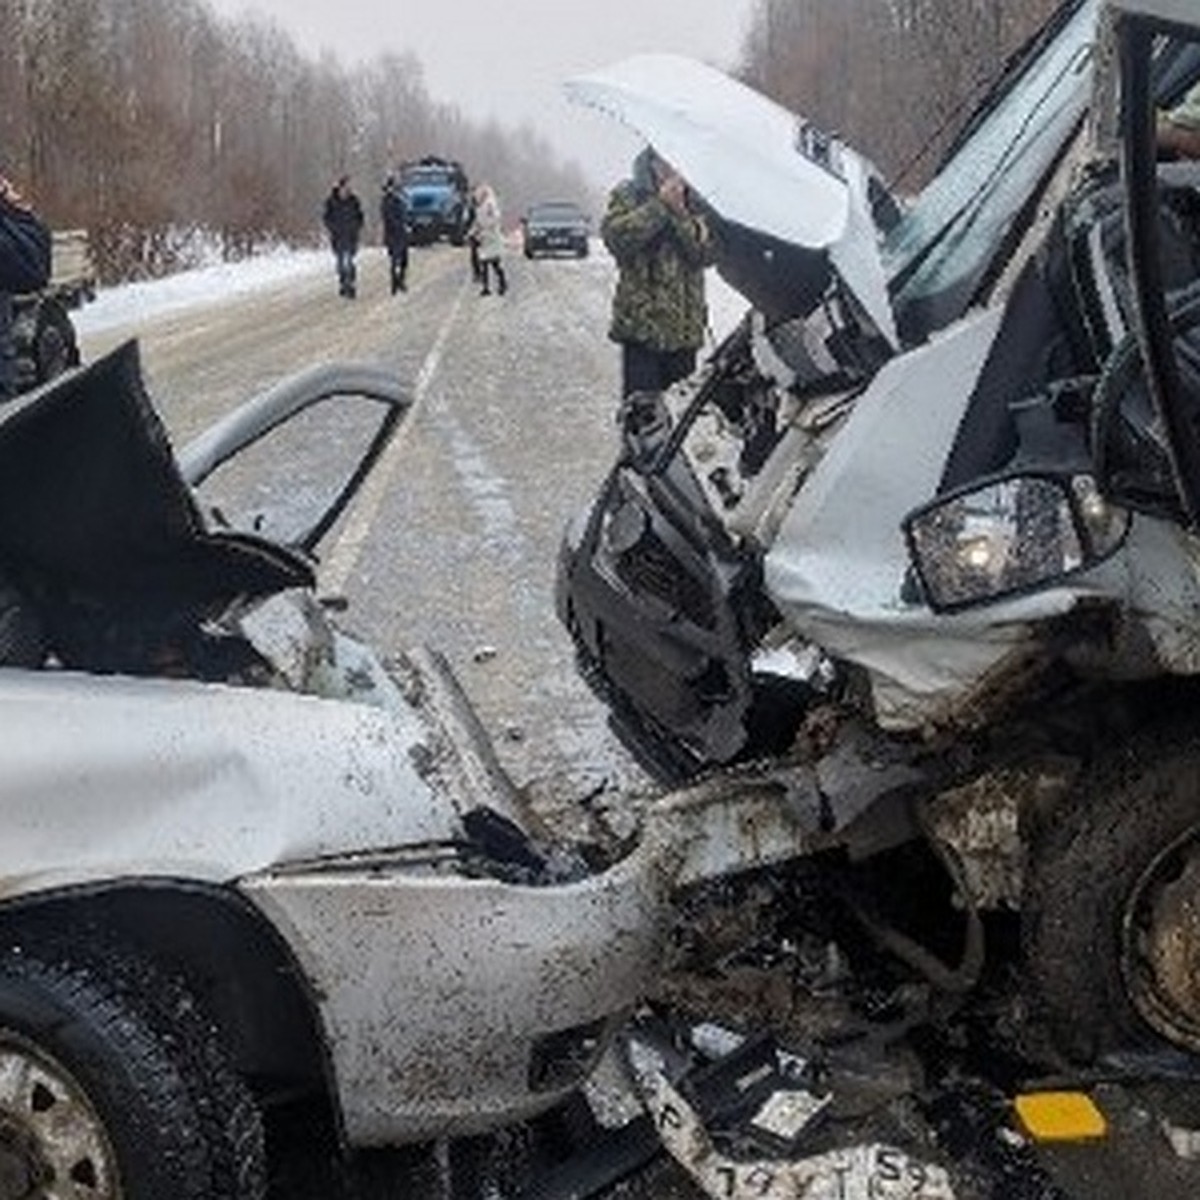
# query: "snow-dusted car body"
959, 556
213, 801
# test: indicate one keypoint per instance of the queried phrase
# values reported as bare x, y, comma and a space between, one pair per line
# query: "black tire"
209, 1119
1117, 845
54, 346
100, 1061
230, 1120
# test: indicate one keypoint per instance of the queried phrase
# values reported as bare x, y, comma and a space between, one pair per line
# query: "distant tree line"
896, 78
157, 125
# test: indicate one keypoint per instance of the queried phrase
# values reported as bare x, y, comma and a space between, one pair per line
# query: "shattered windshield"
945, 245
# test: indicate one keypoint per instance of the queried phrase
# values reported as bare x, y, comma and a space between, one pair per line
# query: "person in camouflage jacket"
661, 248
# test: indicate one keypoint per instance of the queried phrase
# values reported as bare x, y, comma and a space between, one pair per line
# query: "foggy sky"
506, 58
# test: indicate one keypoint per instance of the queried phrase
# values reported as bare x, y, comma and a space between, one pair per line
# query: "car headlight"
1009, 535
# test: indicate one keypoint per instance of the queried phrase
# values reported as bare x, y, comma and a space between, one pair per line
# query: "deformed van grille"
649, 568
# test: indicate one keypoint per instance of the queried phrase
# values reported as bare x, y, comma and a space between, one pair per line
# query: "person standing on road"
344, 220
24, 267
393, 211
473, 239
486, 228
661, 247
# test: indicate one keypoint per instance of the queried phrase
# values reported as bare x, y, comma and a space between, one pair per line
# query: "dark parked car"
556, 227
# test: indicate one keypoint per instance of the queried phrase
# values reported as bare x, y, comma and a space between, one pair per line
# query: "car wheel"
1111, 923
114, 1052
54, 348
583, 250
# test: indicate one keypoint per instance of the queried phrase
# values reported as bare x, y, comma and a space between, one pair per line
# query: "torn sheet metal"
867, 1170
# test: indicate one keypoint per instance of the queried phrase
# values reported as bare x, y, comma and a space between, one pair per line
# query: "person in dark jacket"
24, 267
344, 221
393, 212
661, 247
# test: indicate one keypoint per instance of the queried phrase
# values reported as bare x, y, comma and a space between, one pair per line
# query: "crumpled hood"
93, 505
107, 778
797, 203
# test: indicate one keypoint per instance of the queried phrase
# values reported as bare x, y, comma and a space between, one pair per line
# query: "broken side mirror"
1009, 535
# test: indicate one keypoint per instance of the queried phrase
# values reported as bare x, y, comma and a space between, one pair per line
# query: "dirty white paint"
842, 592
107, 778
436, 988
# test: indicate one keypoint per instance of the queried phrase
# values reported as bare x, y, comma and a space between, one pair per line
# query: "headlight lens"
1011, 535
1104, 524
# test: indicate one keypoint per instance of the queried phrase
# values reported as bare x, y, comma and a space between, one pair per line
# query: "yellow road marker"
1060, 1117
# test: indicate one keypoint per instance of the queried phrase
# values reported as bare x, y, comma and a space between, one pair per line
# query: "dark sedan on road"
556, 227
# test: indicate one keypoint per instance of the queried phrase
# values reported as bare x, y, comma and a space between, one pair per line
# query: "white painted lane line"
342, 559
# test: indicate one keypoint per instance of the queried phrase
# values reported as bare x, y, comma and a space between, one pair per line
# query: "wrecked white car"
940, 562
240, 859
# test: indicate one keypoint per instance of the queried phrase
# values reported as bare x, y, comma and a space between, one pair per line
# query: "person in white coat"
486, 229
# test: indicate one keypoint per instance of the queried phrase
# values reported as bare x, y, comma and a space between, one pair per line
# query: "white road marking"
342, 559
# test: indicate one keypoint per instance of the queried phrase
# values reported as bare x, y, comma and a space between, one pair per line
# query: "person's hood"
793, 205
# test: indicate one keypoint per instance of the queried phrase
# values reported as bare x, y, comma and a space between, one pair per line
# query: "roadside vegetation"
843, 64
175, 136
165, 130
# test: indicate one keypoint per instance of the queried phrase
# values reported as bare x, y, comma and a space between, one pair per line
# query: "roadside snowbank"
134, 302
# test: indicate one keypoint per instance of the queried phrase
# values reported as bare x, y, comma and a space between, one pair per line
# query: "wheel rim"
53, 1145
1160, 953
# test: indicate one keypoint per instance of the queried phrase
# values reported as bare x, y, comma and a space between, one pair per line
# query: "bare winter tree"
896, 77
158, 126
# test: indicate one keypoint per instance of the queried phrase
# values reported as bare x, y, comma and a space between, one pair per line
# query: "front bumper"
451, 1004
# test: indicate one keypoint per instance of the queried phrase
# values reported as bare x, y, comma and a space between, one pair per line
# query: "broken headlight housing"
1010, 534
